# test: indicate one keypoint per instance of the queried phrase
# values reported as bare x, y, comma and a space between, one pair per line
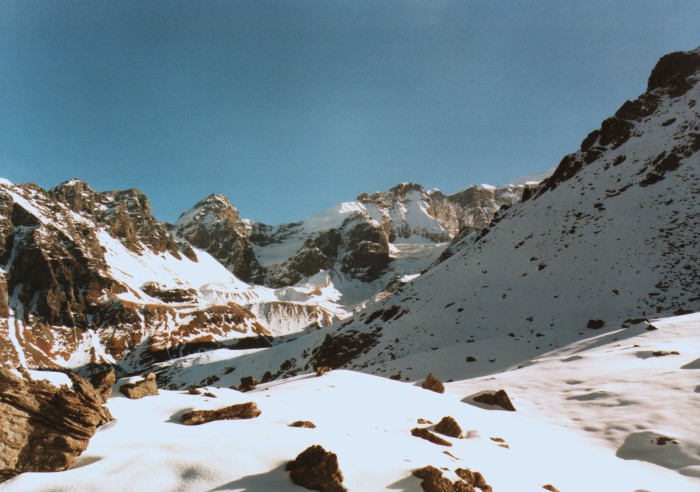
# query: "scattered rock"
499, 398
321, 370
471, 359
235, 412
42, 427
595, 324
662, 353
305, 424
449, 427
424, 421
146, 387
429, 436
210, 395
192, 390
433, 384
316, 469
103, 381
550, 487
248, 383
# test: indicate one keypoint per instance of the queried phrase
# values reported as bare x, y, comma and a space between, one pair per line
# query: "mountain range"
556, 318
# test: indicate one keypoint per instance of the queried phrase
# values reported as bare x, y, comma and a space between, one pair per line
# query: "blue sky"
288, 107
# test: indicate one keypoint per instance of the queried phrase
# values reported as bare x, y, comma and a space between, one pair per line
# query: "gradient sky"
288, 107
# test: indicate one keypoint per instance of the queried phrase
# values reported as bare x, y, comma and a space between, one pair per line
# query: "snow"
57, 379
135, 269
586, 418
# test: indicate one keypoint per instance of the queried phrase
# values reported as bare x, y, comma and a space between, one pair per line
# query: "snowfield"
600, 414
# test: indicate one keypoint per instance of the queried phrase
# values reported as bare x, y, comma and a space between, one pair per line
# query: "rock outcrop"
140, 389
102, 382
42, 427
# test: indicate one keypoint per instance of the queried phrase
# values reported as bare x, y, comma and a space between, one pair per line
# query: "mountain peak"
674, 72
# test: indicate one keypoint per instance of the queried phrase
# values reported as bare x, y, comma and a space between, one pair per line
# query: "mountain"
609, 239
364, 240
91, 278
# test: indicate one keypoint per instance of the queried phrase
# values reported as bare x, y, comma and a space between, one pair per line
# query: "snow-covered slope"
611, 237
601, 415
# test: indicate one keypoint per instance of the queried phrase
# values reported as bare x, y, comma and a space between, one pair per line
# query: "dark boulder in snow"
433, 384
316, 469
429, 436
248, 383
321, 370
139, 389
499, 398
449, 427
247, 410
42, 427
595, 324
304, 424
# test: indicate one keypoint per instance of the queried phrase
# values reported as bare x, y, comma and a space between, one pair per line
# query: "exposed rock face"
140, 389
215, 226
499, 398
170, 296
234, 412
448, 426
433, 384
317, 469
62, 297
44, 428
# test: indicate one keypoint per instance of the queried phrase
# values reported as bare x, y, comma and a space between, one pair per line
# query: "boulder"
146, 387
499, 398
449, 427
316, 469
305, 424
42, 427
433, 384
235, 412
248, 383
429, 436
321, 370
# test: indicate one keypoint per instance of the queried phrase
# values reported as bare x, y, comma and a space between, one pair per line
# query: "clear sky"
288, 107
